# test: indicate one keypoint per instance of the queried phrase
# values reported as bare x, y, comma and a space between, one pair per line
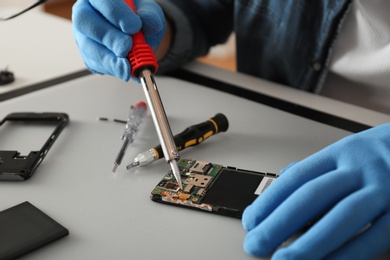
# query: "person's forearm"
166, 42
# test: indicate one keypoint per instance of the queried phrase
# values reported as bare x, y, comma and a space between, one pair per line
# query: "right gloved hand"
103, 29
343, 189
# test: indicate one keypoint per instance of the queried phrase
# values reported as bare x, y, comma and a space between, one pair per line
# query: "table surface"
111, 215
37, 47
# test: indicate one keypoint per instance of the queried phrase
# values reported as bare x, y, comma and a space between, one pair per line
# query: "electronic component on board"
212, 187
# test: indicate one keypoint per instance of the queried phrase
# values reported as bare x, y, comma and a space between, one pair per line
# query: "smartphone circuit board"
212, 187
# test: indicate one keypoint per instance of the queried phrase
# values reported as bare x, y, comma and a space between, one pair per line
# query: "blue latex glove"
103, 29
348, 183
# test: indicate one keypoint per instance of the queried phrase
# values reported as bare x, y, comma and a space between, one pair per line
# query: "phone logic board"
212, 187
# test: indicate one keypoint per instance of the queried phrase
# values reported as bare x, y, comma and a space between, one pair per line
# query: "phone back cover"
24, 228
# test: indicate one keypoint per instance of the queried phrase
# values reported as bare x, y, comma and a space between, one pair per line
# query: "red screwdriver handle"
141, 55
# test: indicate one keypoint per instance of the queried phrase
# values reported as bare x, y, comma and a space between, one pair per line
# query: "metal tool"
143, 65
136, 115
191, 136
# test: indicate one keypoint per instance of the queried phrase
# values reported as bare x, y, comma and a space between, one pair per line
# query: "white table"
38, 48
110, 216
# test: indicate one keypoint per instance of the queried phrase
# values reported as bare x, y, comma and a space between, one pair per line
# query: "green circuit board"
212, 187
197, 177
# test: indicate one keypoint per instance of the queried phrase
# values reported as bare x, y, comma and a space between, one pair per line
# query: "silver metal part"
188, 188
176, 172
143, 159
199, 167
160, 122
201, 192
132, 165
198, 180
115, 167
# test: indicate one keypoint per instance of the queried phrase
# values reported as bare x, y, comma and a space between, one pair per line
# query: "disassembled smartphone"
212, 187
17, 167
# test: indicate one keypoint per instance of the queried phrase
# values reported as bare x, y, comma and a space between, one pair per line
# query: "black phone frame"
17, 167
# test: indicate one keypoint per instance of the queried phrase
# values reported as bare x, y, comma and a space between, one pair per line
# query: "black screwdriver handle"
196, 134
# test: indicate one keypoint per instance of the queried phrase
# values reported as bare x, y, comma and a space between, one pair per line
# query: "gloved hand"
346, 185
103, 29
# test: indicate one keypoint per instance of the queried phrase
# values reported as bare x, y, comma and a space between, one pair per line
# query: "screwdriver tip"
131, 165
115, 167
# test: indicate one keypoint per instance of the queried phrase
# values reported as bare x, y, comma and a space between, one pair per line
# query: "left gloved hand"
346, 185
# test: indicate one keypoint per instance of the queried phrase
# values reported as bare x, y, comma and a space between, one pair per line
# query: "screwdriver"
191, 136
133, 121
143, 65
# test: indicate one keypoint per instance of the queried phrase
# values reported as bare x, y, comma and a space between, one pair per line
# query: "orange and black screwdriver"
191, 136
143, 65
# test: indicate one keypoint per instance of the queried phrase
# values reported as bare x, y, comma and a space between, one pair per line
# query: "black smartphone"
212, 187
15, 166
